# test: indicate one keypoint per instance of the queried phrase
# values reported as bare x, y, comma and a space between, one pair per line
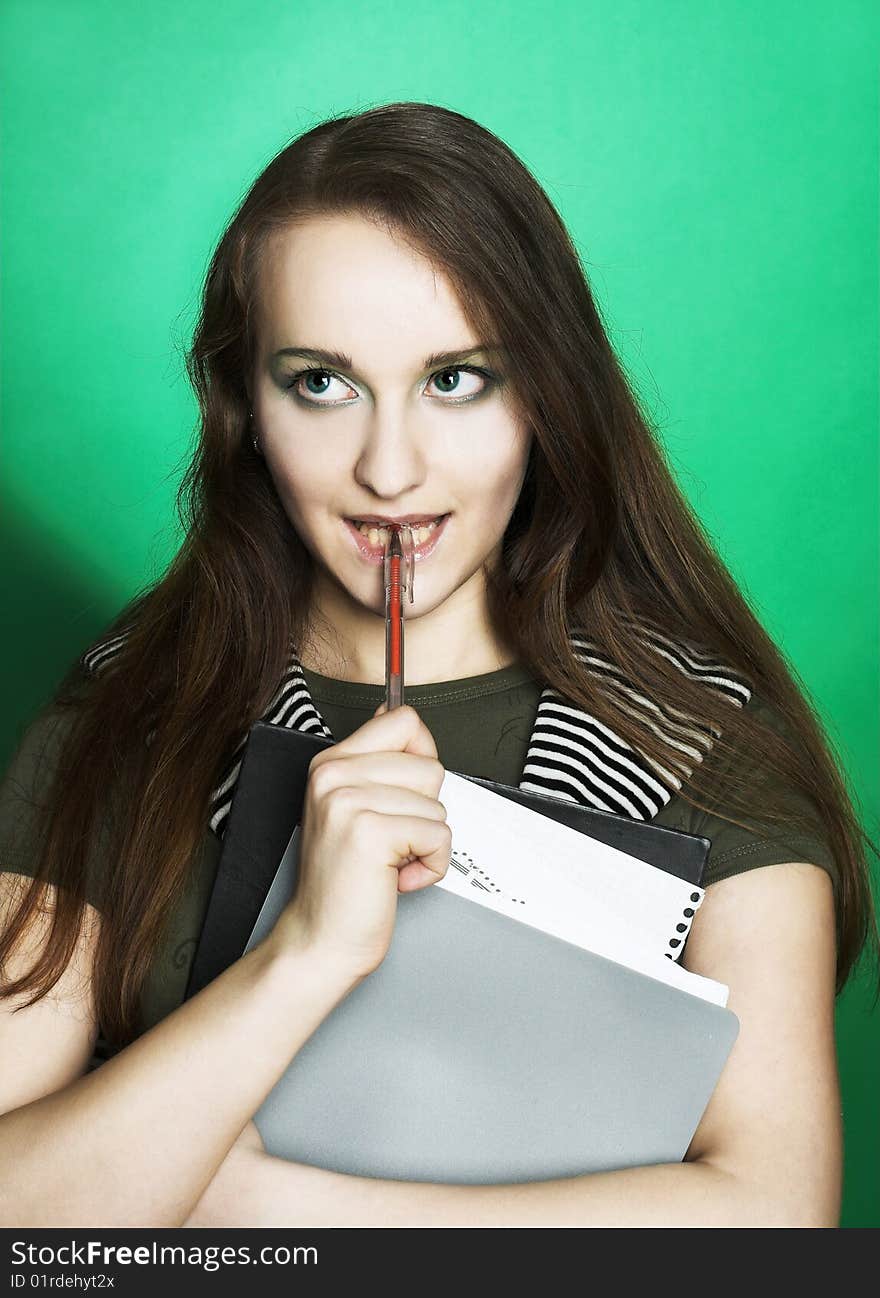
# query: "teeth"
380, 535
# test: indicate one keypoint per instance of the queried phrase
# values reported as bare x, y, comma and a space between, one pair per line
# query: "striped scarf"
571, 754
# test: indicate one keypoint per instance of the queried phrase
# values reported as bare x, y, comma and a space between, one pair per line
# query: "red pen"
399, 568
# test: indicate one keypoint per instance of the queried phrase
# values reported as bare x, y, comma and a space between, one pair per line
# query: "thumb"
383, 707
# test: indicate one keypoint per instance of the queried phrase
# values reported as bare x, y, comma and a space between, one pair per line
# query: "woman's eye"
315, 383
451, 385
310, 386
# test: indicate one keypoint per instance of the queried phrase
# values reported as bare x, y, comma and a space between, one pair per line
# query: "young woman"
396, 325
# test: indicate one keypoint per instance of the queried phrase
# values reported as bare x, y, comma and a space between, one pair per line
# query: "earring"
254, 438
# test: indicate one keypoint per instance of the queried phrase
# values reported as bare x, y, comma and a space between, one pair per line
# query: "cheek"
512, 470
492, 476
304, 485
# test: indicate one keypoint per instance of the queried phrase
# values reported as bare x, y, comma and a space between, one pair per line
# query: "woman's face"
382, 427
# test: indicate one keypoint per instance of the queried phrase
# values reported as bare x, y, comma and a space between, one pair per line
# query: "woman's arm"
135, 1142
767, 1152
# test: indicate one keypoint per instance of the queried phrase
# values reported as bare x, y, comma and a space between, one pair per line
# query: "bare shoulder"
47, 1045
774, 1119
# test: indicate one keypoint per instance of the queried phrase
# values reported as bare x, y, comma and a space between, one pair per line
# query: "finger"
414, 875
391, 800
401, 729
404, 770
419, 738
422, 844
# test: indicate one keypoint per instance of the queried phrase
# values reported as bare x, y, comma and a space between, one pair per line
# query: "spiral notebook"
484, 1048
515, 860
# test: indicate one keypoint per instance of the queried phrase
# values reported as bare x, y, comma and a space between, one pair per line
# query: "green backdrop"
717, 166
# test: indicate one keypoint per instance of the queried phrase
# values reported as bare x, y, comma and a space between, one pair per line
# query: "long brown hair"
601, 537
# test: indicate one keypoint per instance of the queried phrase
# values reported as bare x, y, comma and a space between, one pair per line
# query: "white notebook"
536, 870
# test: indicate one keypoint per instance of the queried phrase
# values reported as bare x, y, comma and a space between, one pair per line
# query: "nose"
390, 463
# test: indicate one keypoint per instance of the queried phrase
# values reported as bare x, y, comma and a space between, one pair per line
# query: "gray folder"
483, 1050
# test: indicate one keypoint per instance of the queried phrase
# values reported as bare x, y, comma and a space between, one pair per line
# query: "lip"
376, 554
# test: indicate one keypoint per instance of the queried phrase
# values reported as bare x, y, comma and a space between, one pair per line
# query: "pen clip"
408, 548
409, 557
408, 564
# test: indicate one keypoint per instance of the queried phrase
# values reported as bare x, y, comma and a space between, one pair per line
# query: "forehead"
345, 283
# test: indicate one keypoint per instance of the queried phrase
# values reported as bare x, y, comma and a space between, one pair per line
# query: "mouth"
371, 540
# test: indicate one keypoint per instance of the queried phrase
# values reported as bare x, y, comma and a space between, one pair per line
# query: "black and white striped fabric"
571, 754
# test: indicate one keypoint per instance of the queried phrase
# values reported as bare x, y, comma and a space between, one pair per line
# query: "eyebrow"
339, 360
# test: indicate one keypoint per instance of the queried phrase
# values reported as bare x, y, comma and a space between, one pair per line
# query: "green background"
717, 167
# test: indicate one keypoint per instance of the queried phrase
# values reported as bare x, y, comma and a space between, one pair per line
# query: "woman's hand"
371, 827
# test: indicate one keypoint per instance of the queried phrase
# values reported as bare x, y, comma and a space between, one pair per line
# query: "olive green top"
481, 725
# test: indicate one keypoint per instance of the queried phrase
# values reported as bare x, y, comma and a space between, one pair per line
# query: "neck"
453, 641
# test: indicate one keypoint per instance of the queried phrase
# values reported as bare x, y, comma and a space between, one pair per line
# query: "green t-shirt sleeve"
26, 785
734, 849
